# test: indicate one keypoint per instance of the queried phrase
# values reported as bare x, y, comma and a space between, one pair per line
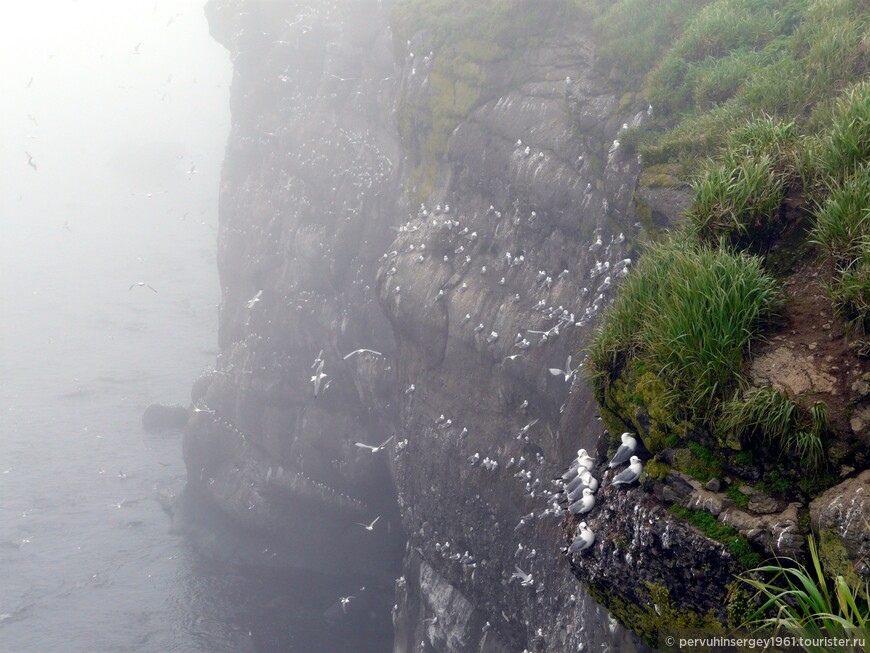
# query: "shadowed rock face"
525, 213
509, 244
309, 187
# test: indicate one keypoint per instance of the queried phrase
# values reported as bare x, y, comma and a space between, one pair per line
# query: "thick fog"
114, 121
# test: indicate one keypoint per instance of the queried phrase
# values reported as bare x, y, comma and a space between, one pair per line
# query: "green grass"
688, 313
715, 530
735, 58
734, 493
800, 600
847, 142
771, 417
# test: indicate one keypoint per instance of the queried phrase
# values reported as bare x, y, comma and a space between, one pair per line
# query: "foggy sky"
106, 126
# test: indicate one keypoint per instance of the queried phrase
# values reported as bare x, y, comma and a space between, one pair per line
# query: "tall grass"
741, 58
740, 195
802, 601
688, 313
780, 421
847, 146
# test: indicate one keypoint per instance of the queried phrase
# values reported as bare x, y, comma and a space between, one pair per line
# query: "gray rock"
160, 416
840, 517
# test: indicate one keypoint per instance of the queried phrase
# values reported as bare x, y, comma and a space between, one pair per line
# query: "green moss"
745, 457
655, 611
660, 176
739, 606
737, 544
658, 401
734, 493
835, 559
656, 469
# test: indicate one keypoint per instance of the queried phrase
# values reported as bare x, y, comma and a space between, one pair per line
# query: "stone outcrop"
841, 517
160, 416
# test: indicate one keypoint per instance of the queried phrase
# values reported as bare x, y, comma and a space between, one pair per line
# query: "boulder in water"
158, 416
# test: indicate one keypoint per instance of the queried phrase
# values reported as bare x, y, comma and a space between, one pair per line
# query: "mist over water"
123, 109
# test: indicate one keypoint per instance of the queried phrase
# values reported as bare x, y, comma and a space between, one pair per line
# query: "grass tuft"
688, 314
777, 419
802, 601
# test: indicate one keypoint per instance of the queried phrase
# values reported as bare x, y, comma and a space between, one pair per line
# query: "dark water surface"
123, 108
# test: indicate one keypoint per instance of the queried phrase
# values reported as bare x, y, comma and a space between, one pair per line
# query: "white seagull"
567, 372
583, 541
625, 451
253, 300
345, 600
584, 505
317, 379
360, 351
377, 448
629, 475
369, 527
141, 284
584, 459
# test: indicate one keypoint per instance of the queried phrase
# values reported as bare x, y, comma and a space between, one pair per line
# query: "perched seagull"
30, 161
584, 505
625, 451
377, 448
567, 372
584, 540
370, 527
141, 284
584, 459
360, 351
410, 389
629, 475
317, 379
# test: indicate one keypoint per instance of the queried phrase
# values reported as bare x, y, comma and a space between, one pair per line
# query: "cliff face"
498, 256
309, 188
469, 299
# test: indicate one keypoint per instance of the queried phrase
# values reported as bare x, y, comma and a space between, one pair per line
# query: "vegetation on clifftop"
707, 65
455, 41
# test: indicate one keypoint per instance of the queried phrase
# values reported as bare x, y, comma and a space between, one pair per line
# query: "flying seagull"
360, 351
318, 377
30, 161
253, 300
625, 451
377, 448
567, 372
370, 527
141, 284
345, 600
629, 475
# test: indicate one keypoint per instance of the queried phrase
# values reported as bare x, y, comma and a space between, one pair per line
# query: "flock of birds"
437, 234
579, 486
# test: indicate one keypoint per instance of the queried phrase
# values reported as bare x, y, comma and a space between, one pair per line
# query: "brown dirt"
809, 351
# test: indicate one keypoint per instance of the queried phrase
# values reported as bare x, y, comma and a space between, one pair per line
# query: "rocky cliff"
462, 208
